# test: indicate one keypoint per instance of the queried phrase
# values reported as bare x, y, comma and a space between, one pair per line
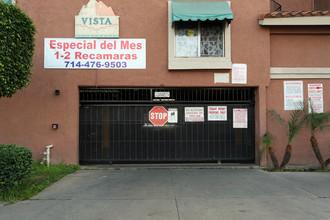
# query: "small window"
199, 39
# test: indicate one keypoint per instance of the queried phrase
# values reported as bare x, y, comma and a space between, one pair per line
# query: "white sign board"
217, 113
69, 53
162, 94
315, 97
172, 115
194, 114
293, 95
96, 20
240, 118
239, 74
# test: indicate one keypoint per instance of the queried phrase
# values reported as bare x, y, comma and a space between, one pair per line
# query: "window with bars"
199, 39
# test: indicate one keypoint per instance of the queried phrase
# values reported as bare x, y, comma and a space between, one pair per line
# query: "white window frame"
197, 62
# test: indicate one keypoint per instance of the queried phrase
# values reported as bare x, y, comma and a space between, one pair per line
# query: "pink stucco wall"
300, 47
296, 5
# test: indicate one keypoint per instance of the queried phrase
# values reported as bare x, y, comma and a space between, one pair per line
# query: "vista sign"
96, 20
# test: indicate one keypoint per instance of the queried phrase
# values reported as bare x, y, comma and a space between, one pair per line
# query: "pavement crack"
177, 208
176, 202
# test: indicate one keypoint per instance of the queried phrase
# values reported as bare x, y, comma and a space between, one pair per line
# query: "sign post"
158, 116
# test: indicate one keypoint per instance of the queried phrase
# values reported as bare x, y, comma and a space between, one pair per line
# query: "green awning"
6, 1
198, 10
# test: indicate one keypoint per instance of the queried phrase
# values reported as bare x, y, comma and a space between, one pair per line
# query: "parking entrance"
116, 126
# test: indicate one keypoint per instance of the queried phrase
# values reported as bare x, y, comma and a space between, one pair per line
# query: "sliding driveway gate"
115, 126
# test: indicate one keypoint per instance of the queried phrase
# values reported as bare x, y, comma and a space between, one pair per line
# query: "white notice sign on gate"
240, 118
194, 114
217, 113
172, 115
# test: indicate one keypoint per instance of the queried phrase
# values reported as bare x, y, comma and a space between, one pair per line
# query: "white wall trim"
299, 72
308, 20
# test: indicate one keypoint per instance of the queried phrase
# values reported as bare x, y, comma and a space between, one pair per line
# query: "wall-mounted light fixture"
55, 126
57, 92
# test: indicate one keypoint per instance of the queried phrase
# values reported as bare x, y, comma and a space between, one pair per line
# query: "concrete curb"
168, 166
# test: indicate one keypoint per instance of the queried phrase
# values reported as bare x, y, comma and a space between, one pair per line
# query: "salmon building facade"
135, 81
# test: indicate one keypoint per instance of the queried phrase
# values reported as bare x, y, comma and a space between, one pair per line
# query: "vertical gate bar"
164, 141
186, 131
229, 136
91, 134
174, 139
118, 141
129, 123
97, 133
112, 126
208, 141
101, 132
91, 137
141, 133
145, 109
86, 125
136, 117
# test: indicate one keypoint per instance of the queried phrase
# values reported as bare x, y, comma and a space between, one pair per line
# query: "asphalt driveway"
179, 194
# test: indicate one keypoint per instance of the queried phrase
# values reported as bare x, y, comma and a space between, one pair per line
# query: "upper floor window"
199, 39
199, 35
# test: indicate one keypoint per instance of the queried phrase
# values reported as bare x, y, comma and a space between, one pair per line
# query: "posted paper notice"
194, 114
239, 74
293, 95
315, 97
240, 118
217, 113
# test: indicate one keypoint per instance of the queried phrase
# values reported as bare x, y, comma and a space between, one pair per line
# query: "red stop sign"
158, 115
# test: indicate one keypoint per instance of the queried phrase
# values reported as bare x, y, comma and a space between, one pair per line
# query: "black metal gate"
115, 126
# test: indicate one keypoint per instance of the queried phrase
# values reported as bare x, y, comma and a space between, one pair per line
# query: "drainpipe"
47, 153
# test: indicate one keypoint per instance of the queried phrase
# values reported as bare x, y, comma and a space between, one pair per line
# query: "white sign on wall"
162, 94
239, 74
194, 114
217, 113
293, 95
240, 118
70, 53
315, 97
96, 20
172, 115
